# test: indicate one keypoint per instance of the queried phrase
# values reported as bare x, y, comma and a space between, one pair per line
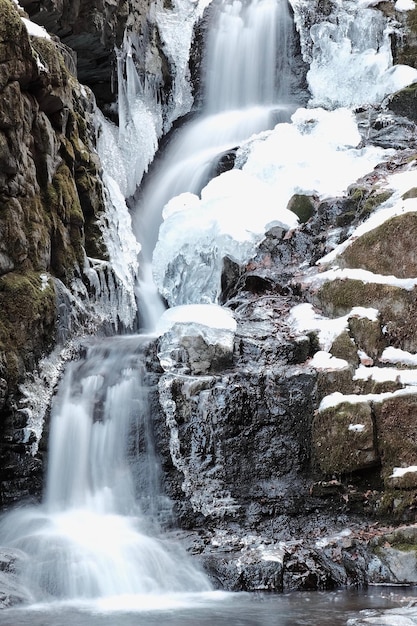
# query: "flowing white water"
246, 72
96, 534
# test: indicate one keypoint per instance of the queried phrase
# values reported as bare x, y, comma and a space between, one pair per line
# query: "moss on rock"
343, 438
368, 336
27, 318
396, 420
343, 347
398, 236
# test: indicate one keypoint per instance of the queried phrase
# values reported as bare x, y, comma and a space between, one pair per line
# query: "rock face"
92, 30
50, 199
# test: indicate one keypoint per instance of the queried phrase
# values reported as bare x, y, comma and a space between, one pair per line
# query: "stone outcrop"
50, 199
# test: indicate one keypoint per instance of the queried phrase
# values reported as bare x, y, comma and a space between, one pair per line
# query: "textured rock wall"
50, 198
93, 29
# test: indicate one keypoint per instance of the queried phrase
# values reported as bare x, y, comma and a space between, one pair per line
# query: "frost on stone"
176, 29
140, 118
114, 281
207, 495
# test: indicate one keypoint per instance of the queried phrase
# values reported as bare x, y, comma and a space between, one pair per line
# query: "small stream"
334, 608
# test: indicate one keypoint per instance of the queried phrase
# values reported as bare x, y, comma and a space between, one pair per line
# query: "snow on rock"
34, 30
384, 374
396, 355
405, 5
304, 318
325, 361
337, 398
393, 207
196, 338
231, 217
296, 157
363, 275
398, 472
239, 206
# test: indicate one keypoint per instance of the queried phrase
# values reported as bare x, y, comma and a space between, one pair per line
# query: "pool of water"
214, 609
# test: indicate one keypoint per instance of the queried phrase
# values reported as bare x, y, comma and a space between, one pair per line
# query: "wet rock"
404, 102
196, 349
397, 551
303, 206
12, 591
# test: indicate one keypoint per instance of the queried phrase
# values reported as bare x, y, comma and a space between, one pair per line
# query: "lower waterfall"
96, 533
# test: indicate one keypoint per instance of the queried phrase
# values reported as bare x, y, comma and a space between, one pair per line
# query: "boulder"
397, 235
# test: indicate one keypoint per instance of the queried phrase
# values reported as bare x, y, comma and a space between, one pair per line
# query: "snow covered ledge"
196, 339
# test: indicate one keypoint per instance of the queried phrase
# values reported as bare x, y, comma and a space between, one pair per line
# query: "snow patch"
210, 315
325, 361
34, 30
304, 318
362, 275
386, 374
405, 5
396, 355
401, 471
356, 428
336, 398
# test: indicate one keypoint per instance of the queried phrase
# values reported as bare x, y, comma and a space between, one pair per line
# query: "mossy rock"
303, 206
397, 235
338, 297
411, 193
330, 381
396, 422
343, 439
27, 319
397, 307
16, 59
368, 336
360, 203
404, 102
405, 50
343, 347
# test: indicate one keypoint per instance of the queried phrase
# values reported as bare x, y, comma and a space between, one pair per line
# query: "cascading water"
96, 533
247, 84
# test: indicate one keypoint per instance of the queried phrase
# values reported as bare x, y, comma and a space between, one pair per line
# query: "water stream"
97, 532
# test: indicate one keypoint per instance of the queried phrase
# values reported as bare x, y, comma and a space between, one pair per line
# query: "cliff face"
50, 198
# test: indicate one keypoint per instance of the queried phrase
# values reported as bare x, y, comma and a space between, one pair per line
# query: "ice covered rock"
196, 339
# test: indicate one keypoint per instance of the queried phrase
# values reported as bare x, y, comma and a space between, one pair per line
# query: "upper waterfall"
246, 90
247, 56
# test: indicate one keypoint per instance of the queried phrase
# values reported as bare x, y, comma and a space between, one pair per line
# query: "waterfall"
247, 78
96, 533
